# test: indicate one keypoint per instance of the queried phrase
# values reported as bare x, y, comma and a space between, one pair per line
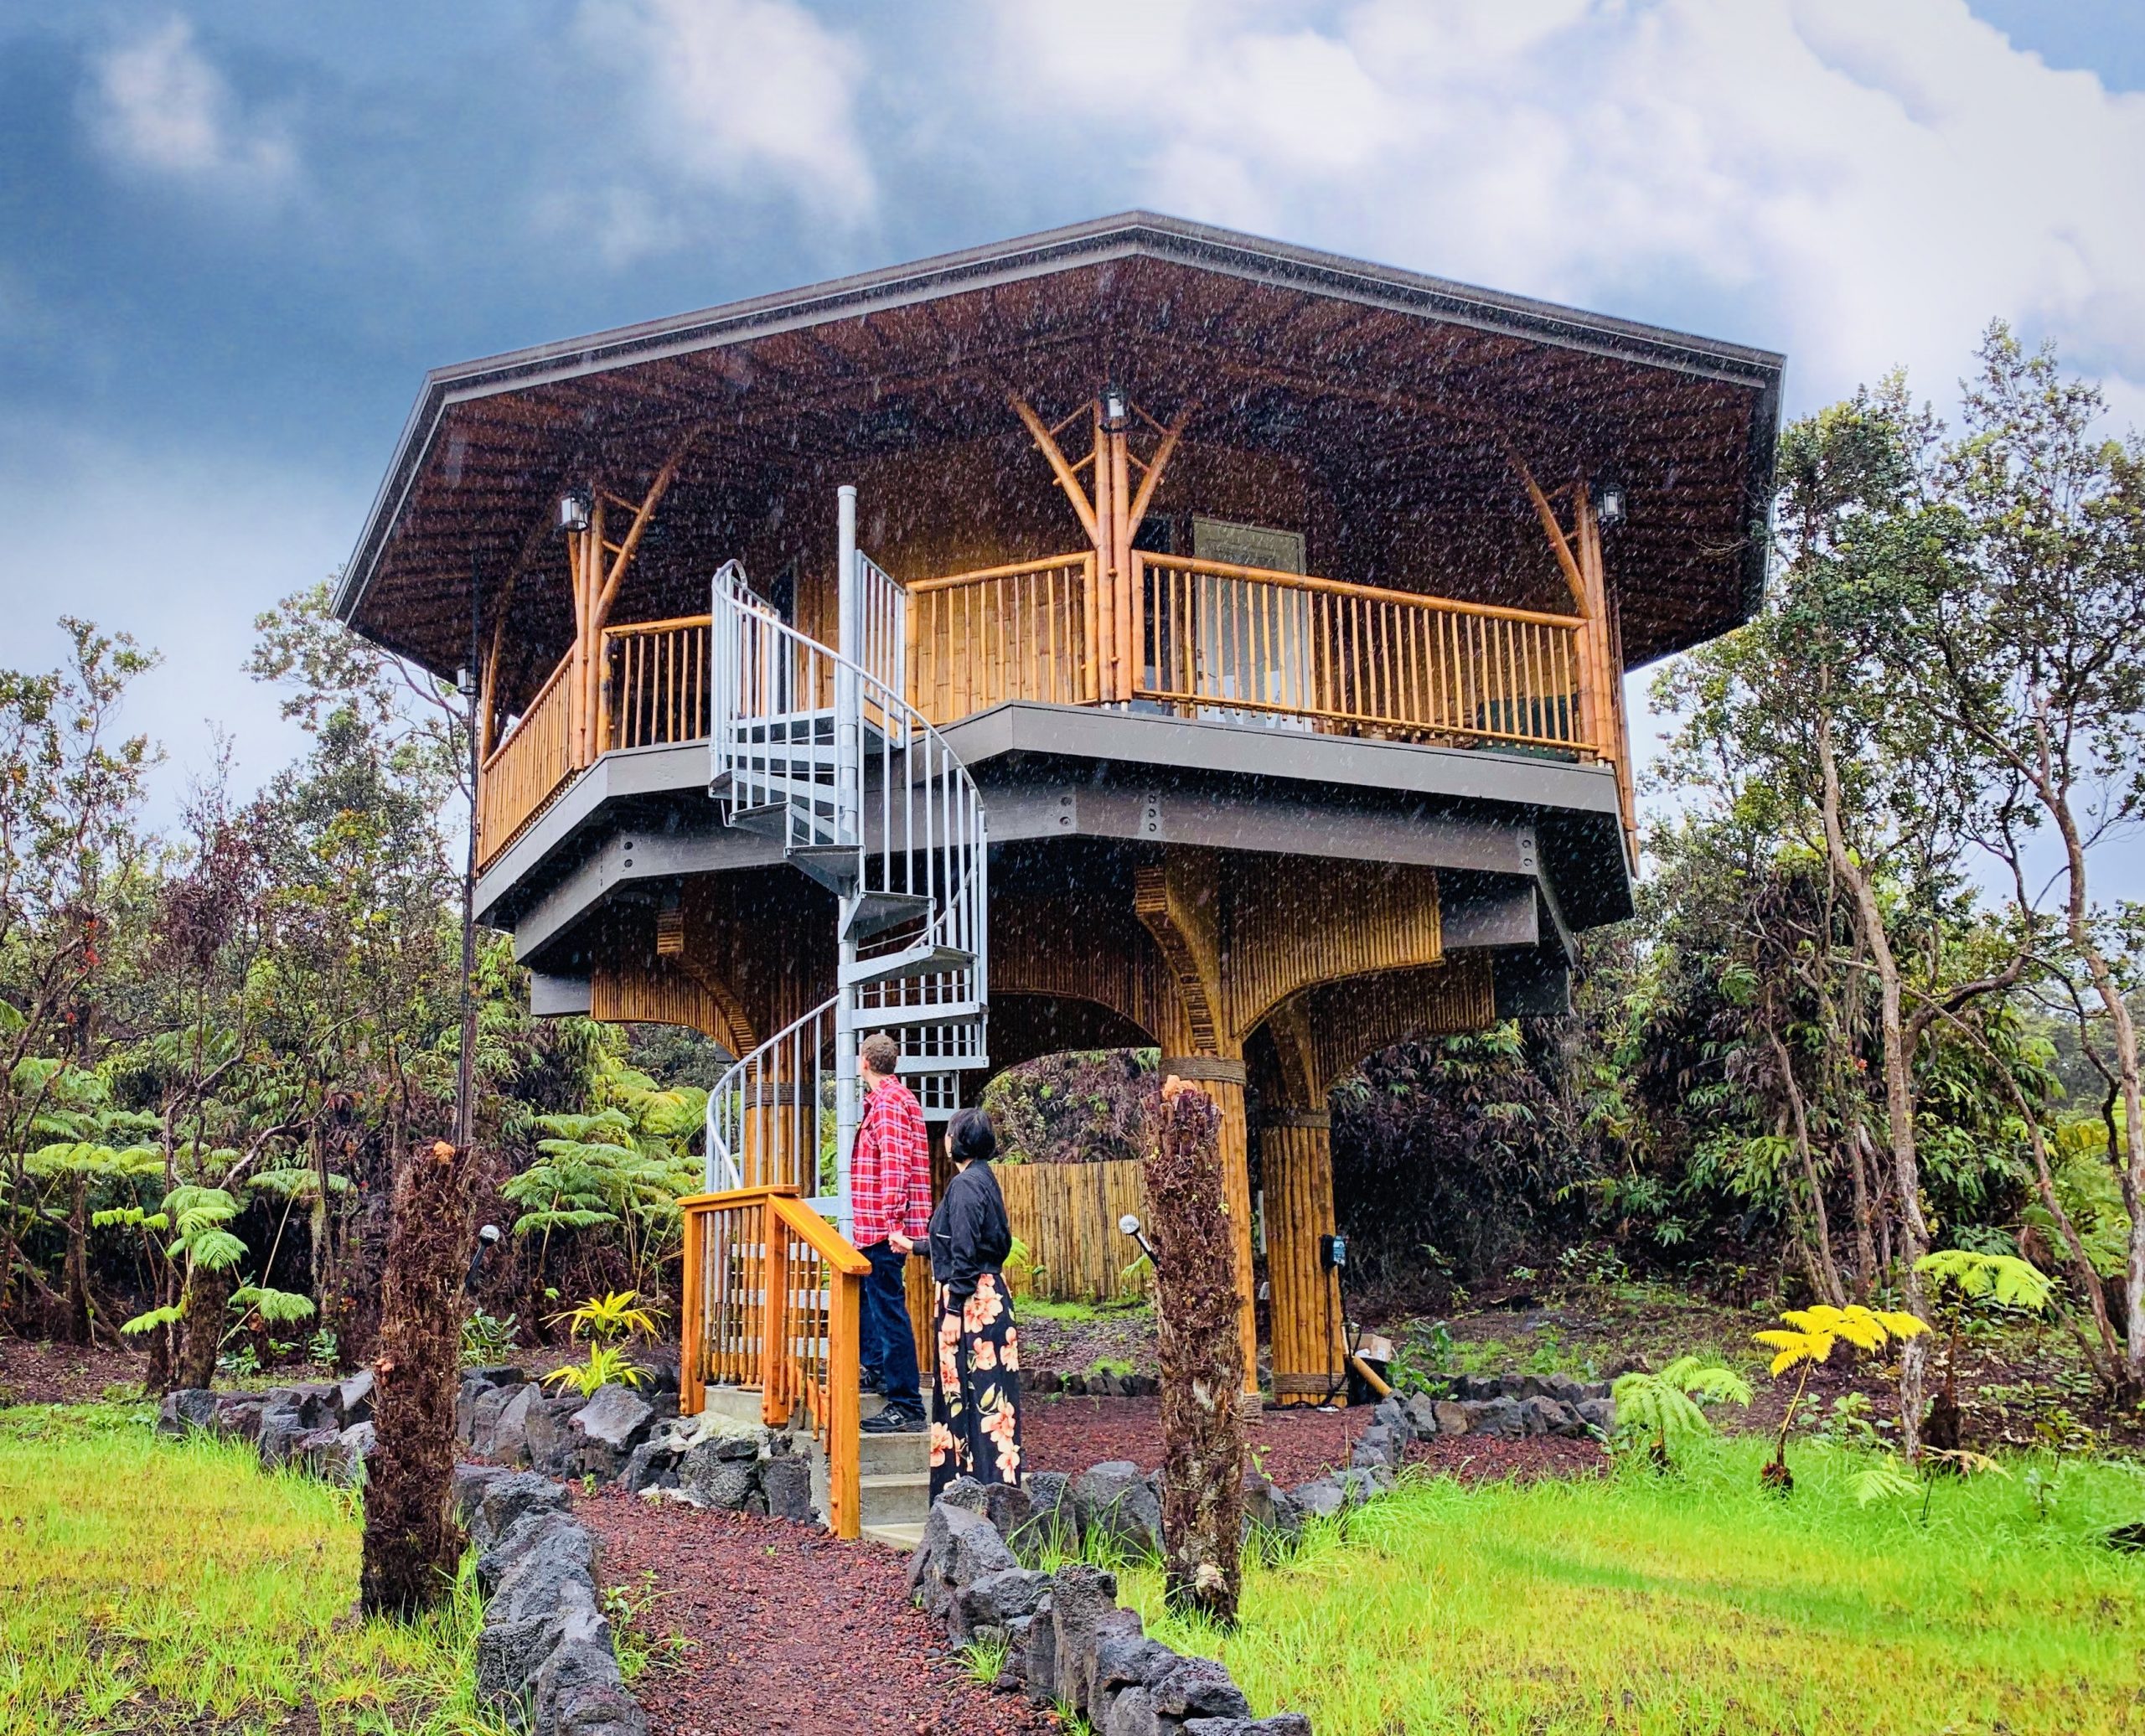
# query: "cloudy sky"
234, 233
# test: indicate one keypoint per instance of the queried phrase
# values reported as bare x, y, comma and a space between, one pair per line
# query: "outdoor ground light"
574, 509
1130, 1226
1117, 409
1609, 504
486, 1238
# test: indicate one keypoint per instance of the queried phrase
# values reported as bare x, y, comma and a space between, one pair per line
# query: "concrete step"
907, 1538
907, 1454
895, 1499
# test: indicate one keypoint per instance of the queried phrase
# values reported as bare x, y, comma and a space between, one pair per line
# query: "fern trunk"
1202, 1358
411, 1542
207, 1300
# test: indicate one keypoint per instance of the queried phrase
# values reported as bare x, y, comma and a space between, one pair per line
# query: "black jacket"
969, 1233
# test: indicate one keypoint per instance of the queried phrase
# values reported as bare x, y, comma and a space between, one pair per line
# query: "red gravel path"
792, 1632
1291, 1446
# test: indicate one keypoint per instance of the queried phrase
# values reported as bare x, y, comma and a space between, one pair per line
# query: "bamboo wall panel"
529, 768
1012, 632
1288, 922
1348, 1021
1296, 1167
1066, 1215
655, 683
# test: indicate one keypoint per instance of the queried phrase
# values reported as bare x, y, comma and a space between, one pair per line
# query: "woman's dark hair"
970, 1138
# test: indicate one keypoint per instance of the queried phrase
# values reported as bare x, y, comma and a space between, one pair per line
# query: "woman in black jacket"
975, 1428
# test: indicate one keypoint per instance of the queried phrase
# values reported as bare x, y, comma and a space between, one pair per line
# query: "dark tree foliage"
1453, 1153
1084, 1106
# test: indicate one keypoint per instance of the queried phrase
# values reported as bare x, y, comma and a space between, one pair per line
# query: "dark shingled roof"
1690, 419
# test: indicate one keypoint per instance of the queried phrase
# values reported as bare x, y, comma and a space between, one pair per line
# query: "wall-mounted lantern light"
465, 682
1610, 504
575, 508
1117, 409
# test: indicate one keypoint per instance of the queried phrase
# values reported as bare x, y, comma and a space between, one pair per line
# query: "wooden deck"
1209, 640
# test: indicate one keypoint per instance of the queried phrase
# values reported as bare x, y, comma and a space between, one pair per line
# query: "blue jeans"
887, 1340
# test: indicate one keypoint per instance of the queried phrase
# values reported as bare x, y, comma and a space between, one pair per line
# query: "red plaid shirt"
889, 1167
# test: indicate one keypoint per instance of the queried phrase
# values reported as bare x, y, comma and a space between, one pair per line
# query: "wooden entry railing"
1216, 637
774, 1299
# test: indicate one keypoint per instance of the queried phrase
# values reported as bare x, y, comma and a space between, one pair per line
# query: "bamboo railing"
774, 1298
1023, 631
1213, 639
655, 675
1218, 637
533, 764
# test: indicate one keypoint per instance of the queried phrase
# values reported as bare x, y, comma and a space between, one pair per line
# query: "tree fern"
1664, 1412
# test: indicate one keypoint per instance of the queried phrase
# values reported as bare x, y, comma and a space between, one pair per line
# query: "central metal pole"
849, 830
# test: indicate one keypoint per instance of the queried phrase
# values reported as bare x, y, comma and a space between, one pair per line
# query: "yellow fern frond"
1904, 1326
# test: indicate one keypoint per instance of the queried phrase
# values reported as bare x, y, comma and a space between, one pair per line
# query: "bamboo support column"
1295, 1155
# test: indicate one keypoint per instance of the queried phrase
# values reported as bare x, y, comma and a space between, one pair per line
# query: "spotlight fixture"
575, 508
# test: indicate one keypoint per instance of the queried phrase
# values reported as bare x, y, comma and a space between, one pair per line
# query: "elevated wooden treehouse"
1138, 633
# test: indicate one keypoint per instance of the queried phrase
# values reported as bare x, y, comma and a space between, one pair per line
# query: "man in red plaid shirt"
889, 1210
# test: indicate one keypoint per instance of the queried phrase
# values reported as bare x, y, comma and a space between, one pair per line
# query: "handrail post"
692, 1317
775, 1334
849, 828
844, 1494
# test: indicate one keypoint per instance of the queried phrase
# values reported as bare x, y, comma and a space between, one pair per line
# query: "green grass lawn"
149, 1585
1695, 1603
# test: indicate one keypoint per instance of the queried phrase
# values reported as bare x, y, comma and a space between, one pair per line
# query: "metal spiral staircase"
818, 749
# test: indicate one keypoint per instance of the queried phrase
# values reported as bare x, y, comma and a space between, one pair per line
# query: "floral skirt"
975, 1422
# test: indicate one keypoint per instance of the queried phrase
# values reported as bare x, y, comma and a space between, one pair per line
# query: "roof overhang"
433, 451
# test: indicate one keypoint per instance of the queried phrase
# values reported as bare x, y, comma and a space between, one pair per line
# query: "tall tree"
72, 859
2025, 642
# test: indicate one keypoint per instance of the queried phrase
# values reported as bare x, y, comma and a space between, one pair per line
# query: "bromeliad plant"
1661, 1415
604, 1322
1805, 1338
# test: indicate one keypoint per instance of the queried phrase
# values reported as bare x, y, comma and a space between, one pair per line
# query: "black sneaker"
891, 1421
869, 1382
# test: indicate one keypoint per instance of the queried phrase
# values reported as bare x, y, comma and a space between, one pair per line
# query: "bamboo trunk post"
692, 1316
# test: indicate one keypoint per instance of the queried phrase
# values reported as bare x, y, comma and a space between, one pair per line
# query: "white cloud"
1865, 184
158, 105
740, 96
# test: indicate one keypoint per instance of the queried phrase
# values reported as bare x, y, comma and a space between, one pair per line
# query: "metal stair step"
911, 961
876, 912
947, 1013
835, 866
